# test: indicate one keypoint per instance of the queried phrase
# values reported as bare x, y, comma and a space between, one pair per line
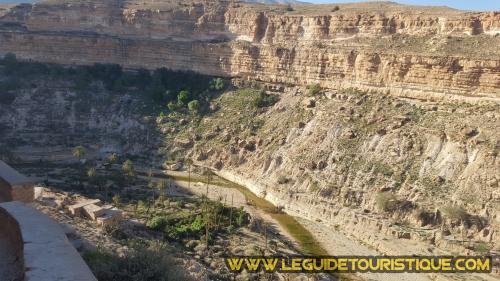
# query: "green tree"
79, 152
152, 186
314, 89
172, 106
128, 168
189, 163
10, 62
197, 224
156, 90
183, 97
162, 185
92, 173
217, 84
113, 158
194, 106
265, 100
117, 200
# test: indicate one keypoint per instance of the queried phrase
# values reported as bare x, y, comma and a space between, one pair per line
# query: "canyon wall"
49, 116
407, 51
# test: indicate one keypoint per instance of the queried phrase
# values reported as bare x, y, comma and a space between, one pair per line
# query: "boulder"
93, 211
184, 143
77, 209
309, 103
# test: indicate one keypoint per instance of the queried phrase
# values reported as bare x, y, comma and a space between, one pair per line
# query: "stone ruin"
96, 211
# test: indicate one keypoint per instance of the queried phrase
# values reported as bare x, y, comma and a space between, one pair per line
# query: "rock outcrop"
418, 52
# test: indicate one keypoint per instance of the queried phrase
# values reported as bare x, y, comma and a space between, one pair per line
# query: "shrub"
454, 213
328, 191
157, 223
142, 78
197, 224
172, 106
314, 89
141, 262
386, 201
10, 62
265, 100
156, 90
289, 8
283, 180
336, 8
314, 187
482, 248
217, 84
128, 168
9, 58
183, 97
241, 217
194, 106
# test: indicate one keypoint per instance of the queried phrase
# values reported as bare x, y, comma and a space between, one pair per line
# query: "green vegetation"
183, 97
455, 213
314, 90
482, 248
194, 106
176, 89
128, 168
265, 100
386, 201
209, 217
143, 261
217, 84
79, 152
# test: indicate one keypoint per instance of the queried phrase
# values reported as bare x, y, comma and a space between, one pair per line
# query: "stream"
303, 237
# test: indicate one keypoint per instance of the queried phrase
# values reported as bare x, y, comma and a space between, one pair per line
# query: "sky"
474, 5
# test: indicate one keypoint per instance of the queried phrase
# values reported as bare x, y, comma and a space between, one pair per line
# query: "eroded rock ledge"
423, 52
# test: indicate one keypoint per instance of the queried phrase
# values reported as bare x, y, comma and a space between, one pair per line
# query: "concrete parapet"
47, 252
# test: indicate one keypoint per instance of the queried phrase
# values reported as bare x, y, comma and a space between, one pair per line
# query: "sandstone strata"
418, 52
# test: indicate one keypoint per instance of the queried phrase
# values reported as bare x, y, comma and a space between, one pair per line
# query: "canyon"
397, 150
403, 50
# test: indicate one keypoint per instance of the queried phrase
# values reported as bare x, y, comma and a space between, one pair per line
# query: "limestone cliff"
419, 52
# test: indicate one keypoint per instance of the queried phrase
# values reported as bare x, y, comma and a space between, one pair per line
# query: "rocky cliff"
377, 167
407, 51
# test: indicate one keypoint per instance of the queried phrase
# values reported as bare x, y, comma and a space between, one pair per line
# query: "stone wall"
11, 248
5, 192
47, 251
23, 193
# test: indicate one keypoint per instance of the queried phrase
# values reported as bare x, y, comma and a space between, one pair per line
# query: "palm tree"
92, 173
152, 186
189, 162
150, 173
113, 158
117, 200
79, 152
162, 185
128, 168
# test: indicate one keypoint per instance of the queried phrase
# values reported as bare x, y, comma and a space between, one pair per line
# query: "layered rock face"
417, 52
379, 169
42, 122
